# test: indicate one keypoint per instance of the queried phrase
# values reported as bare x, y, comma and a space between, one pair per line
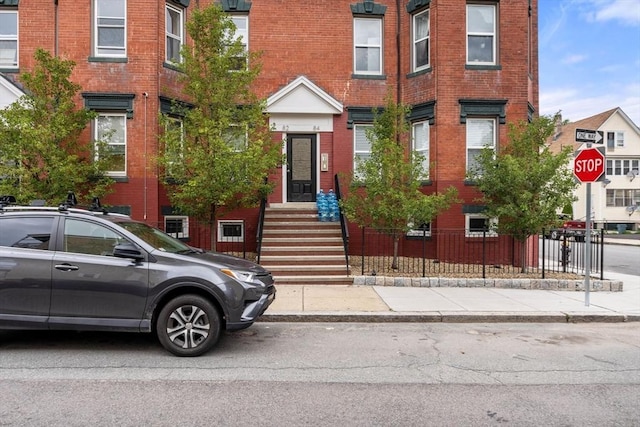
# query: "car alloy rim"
188, 326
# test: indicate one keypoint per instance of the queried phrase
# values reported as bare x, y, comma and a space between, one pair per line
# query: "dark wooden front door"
301, 168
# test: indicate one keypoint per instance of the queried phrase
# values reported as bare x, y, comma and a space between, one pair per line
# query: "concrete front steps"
300, 250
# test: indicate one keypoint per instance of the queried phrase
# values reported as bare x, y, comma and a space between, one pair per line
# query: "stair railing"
343, 223
263, 206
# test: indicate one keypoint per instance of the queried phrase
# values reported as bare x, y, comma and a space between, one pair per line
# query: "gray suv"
76, 269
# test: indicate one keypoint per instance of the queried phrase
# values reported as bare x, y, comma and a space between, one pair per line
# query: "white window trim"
170, 35
97, 138
368, 46
12, 37
415, 41
424, 151
417, 232
491, 232
184, 234
619, 137
493, 34
96, 48
493, 144
222, 238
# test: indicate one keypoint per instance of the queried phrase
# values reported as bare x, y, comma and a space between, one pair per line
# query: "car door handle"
67, 267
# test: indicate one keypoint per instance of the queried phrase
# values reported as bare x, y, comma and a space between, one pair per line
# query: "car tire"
188, 326
555, 235
579, 239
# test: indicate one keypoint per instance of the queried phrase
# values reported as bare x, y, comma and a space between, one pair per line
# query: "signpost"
588, 167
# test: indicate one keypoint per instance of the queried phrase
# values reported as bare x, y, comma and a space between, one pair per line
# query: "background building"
615, 200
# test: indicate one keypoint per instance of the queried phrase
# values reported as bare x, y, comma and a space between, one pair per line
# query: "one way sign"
587, 135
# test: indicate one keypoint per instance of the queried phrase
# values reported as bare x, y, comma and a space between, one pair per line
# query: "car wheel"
579, 238
555, 235
188, 325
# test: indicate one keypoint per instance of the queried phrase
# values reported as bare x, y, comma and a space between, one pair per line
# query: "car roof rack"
7, 201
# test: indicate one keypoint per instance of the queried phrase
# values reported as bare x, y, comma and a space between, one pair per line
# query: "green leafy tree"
384, 189
218, 155
41, 153
524, 185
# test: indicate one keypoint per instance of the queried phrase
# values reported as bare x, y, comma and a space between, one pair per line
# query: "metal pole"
587, 248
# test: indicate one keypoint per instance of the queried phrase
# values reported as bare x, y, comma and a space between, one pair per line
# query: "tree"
219, 152
384, 189
524, 185
41, 153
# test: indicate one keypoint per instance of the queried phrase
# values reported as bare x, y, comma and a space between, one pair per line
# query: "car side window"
25, 232
89, 238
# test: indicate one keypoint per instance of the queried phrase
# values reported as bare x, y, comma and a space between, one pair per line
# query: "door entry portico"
301, 168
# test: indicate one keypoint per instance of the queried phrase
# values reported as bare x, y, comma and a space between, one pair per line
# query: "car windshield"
156, 238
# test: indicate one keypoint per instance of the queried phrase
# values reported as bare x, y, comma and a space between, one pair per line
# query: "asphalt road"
293, 374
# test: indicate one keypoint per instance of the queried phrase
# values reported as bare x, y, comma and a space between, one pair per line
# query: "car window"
89, 238
154, 237
26, 232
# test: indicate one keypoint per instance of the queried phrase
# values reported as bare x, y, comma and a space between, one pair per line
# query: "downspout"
146, 163
55, 31
398, 53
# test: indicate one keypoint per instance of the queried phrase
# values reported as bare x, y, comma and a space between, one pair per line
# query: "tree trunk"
213, 230
396, 241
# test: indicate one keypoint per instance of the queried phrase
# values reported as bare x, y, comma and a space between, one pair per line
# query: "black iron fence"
478, 254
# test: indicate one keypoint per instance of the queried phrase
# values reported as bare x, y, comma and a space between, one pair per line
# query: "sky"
589, 57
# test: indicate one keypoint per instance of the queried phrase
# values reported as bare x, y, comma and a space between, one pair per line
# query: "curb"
448, 317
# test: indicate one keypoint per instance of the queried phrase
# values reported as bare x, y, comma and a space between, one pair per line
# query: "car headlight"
239, 275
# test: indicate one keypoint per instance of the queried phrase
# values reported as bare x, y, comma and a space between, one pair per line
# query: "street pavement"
333, 303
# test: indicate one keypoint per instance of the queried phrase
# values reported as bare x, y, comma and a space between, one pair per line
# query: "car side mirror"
128, 250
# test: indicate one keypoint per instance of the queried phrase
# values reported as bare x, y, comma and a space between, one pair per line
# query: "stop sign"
588, 165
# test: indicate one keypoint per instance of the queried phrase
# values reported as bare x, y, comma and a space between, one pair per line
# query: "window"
367, 40
9, 39
174, 148
619, 167
362, 146
24, 232
236, 138
478, 225
424, 230
421, 41
110, 36
619, 139
420, 142
231, 231
242, 32
623, 198
480, 135
89, 238
481, 34
111, 130
174, 33
177, 226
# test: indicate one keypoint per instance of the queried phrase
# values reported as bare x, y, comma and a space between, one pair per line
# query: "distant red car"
571, 228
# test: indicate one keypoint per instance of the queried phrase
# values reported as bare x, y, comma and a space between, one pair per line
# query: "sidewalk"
319, 303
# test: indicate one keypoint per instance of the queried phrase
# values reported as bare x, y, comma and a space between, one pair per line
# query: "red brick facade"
313, 39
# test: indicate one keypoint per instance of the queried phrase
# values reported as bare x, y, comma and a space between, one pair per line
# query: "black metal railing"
343, 223
263, 207
474, 254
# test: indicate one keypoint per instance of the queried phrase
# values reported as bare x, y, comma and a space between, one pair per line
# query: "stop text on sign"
589, 165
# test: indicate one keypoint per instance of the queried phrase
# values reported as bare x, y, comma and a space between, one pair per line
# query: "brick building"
466, 67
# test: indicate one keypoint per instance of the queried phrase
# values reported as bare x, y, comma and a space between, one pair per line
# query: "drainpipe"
55, 43
398, 53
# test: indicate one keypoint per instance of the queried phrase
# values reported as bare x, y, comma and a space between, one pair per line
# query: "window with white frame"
177, 226
110, 29
478, 225
174, 33
619, 139
623, 197
231, 231
621, 167
361, 146
481, 133
8, 39
367, 45
174, 148
481, 34
421, 33
420, 145
111, 131
422, 230
242, 33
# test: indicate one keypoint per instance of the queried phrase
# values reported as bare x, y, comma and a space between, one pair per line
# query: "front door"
301, 168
